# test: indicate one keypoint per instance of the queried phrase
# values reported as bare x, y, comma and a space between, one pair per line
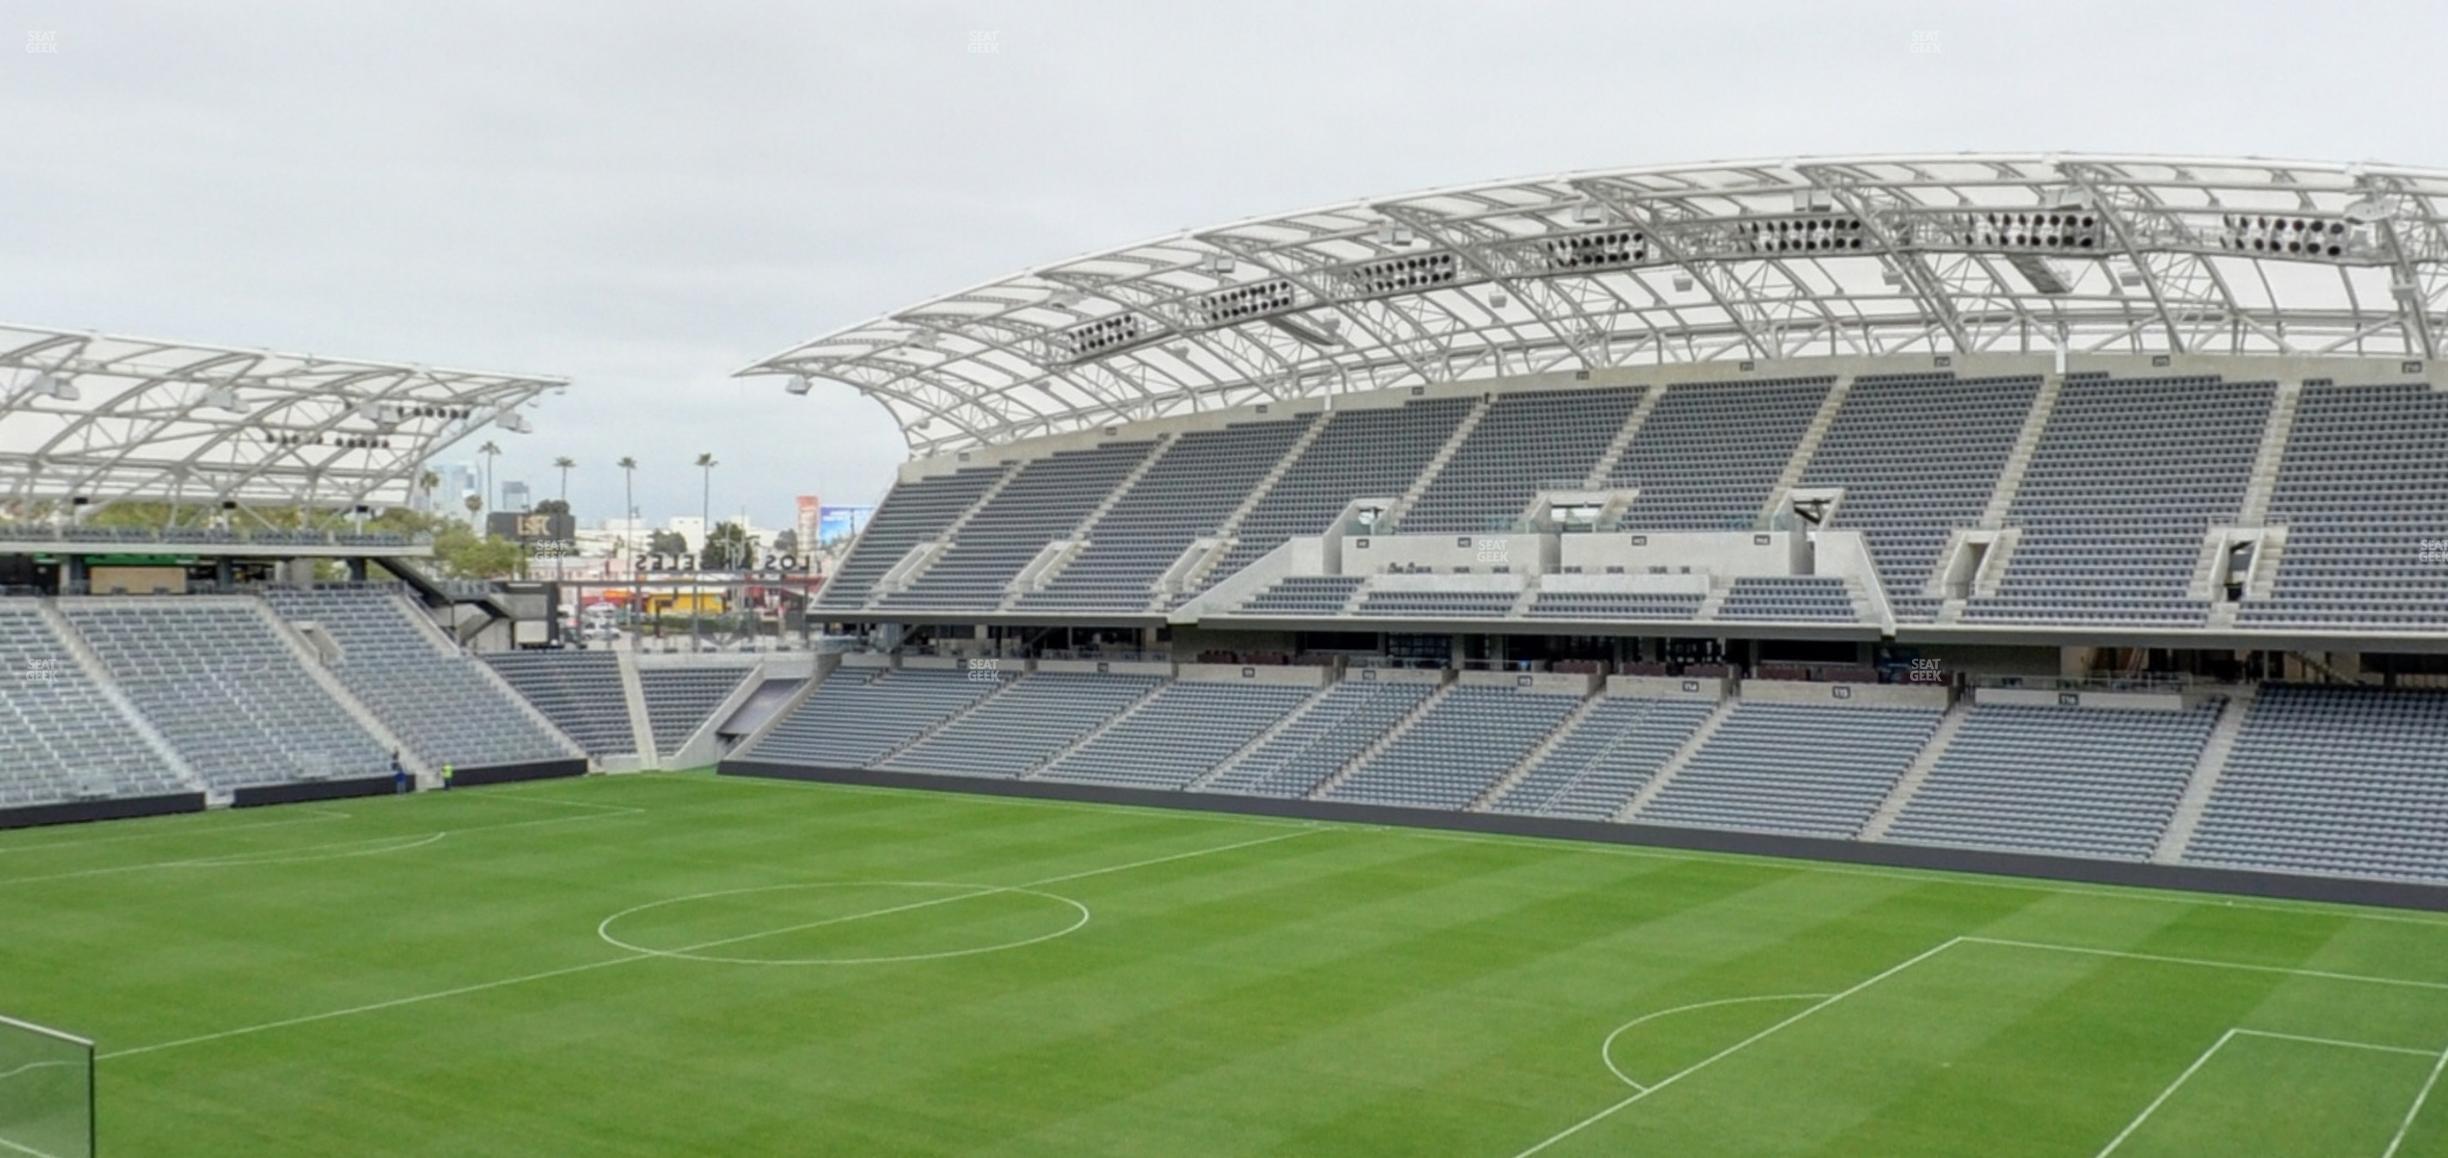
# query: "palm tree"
705, 502
426, 482
562, 464
490, 452
627, 498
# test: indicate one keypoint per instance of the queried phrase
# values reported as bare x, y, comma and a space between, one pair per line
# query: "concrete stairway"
1919, 771
1145, 698
926, 733
1604, 468
2271, 454
1799, 464
426, 774
903, 580
1229, 533
99, 675
1381, 743
2206, 773
2027, 444
1537, 753
1675, 764
1260, 740
641, 722
1436, 463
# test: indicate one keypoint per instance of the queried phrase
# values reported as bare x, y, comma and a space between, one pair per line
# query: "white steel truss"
1861, 256
108, 418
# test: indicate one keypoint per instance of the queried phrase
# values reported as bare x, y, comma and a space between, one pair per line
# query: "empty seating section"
61, 738
1330, 730
1905, 489
1303, 595
2072, 781
1024, 725
1597, 768
2363, 492
1526, 441
1045, 500
1439, 604
1185, 495
1795, 597
2334, 780
215, 678
913, 513
857, 716
1797, 769
1458, 749
679, 700
1708, 454
437, 700
1375, 453
2129, 475
1178, 735
1615, 605
579, 691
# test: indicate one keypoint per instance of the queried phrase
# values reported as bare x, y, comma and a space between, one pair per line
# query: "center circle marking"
953, 892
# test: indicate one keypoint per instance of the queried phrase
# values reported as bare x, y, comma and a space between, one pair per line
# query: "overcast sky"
646, 197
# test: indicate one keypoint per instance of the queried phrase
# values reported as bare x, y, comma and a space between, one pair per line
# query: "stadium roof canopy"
107, 418
1845, 256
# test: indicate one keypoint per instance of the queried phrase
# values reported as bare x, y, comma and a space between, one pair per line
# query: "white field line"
2164, 1095
1918, 876
1028, 801
1742, 1045
30, 1067
2325, 975
2230, 1035
2341, 1043
2415, 1110
21, 1149
1606, 1049
979, 891
292, 855
313, 815
565, 971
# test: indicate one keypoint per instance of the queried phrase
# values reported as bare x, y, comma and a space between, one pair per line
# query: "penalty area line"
569, 970
1740, 1046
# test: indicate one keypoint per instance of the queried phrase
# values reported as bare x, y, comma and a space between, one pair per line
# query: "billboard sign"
835, 524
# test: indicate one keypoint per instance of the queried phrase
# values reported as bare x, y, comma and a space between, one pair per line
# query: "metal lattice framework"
108, 418
1857, 256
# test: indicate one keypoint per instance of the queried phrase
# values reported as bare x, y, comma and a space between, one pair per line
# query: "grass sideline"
677, 964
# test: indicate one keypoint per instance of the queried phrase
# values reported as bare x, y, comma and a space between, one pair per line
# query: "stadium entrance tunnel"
818, 923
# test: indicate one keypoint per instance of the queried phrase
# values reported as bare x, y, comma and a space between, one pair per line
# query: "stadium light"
2370, 209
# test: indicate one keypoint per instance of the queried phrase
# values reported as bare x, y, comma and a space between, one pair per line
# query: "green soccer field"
676, 964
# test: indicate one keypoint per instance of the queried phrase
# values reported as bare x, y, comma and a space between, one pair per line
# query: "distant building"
516, 497
458, 481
